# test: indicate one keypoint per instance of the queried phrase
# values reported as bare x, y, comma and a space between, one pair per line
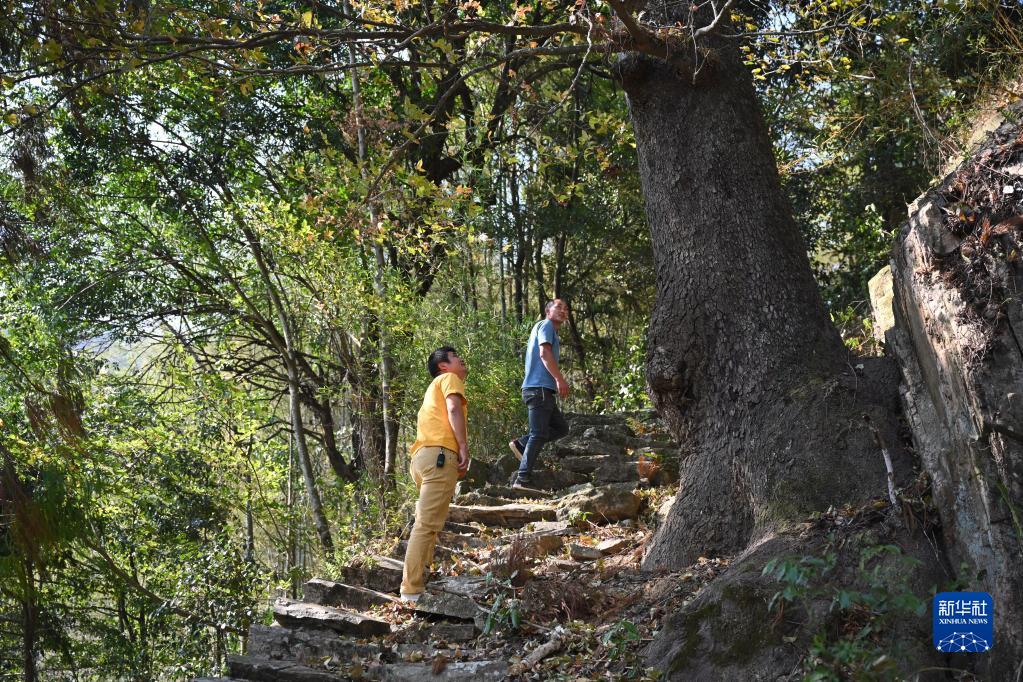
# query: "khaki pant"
436, 487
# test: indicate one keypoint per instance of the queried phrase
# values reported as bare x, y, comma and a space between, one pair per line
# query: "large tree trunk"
368, 423
743, 361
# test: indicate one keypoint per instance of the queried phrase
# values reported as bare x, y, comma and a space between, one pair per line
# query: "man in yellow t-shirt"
440, 456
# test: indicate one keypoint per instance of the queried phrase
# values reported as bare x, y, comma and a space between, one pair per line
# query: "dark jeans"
546, 424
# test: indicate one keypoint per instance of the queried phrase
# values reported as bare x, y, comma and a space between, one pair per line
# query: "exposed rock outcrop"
958, 337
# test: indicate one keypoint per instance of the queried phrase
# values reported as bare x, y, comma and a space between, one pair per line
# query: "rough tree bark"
743, 361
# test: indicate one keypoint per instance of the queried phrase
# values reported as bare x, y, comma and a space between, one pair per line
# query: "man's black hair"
436, 357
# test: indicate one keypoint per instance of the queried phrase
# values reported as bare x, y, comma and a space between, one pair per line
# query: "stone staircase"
354, 627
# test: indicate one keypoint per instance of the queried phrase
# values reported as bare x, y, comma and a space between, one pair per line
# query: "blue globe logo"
963, 642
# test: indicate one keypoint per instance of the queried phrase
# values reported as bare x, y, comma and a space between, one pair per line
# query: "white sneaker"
411, 598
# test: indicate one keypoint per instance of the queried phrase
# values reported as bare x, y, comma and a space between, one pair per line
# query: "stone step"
614, 434
448, 605
583, 552
515, 493
379, 573
255, 669
530, 546
296, 614
460, 528
602, 504
480, 499
461, 540
556, 479
603, 469
583, 464
534, 544
582, 419
460, 671
429, 631
583, 447
305, 644
507, 516
465, 585
327, 593
551, 527
265, 670
612, 546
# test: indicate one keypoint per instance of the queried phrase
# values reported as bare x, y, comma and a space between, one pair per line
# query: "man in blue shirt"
541, 388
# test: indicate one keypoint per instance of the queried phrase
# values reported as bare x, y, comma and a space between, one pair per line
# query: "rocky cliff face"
958, 337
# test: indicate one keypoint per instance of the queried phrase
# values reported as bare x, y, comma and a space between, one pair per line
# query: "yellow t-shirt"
432, 426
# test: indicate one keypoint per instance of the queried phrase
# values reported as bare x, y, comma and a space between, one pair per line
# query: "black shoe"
516, 449
519, 482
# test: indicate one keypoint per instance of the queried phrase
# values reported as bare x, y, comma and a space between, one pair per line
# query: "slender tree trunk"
580, 353
538, 275
470, 263
30, 624
325, 416
289, 561
305, 462
743, 362
518, 266
560, 245
250, 530
500, 259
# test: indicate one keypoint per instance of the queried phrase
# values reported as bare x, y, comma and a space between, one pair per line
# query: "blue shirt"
536, 374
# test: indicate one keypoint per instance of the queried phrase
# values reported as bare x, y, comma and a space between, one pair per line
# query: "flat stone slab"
379, 573
516, 493
619, 470
551, 527
303, 614
615, 434
304, 644
556, 479
327, 593
584, 447
255, 669
582, 419
606, 503
583, 464
463, 540
537, 543
482, 499
565, 564
464, 585
453, 632
460, 528
507, 515
467, 671
584, 553
448, 605
430, 632
266, 670
612, 546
